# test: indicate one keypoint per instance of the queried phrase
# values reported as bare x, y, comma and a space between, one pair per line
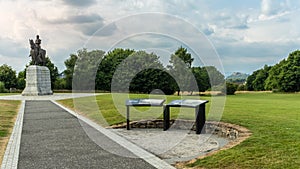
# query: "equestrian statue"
37, 54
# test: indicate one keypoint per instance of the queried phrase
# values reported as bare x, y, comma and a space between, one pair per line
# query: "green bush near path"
274, 120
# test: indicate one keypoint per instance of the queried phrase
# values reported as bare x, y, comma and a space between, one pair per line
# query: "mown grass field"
110, 115
8, 113
274, 120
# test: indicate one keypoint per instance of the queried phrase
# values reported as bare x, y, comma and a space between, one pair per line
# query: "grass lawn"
8, 113
110, 115
6, 94
274, 120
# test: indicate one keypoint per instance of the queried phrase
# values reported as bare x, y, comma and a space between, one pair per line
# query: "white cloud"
274, 8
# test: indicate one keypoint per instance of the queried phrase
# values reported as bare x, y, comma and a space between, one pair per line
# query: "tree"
142, 72
85, 69
230, 88
250, 79
108, 66
60, 83
70, 64
8, 76
285, 76
184, 56
2, 88
215, 76
256, 81
180, 69
202, 78
53, 71
150, 79
21, 79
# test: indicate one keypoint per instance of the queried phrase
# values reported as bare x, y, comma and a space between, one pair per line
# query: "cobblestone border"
11, 156
226, 130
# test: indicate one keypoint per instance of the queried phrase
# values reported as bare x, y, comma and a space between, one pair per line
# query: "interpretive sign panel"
186, 103
199, 106
145, 102
141, 102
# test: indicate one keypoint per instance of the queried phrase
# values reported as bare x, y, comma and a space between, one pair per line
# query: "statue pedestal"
38, 81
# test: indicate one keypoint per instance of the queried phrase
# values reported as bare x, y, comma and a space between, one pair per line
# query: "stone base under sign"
38, 81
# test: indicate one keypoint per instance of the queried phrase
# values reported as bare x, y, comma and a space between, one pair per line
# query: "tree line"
125, 69
144, 73
283, 76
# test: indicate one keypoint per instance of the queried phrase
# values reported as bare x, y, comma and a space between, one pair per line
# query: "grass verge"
7, 94
8, 114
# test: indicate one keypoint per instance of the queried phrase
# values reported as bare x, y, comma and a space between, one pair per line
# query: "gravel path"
173, 145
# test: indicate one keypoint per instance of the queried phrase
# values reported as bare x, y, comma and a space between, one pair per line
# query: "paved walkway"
48, 136
52, 138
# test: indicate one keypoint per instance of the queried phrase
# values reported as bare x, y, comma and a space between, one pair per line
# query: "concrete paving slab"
173, 145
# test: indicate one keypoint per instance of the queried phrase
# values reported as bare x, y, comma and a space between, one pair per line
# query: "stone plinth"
38, 81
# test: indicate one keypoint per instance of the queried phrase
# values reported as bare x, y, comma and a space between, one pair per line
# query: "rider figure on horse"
37, 53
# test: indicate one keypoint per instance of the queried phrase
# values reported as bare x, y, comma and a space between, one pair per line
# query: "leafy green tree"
250, 79
230, 88
241, 87
8, 76
256, 81
53, 71
85, 69
70, 64
150, 79
108, 66
21, 79
141, 72
60, 83
180, 68
2, 88
202, 78
184, 56
215, 76
285, 76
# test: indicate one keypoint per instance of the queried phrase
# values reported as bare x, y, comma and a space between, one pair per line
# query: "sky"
239, 36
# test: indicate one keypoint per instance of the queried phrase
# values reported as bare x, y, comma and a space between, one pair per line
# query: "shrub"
241, 87
230, 88
2, 88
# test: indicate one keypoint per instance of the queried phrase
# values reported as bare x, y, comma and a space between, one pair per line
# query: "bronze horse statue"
37, 53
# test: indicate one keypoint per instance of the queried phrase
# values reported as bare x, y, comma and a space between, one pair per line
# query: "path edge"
138, 151
11, 156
